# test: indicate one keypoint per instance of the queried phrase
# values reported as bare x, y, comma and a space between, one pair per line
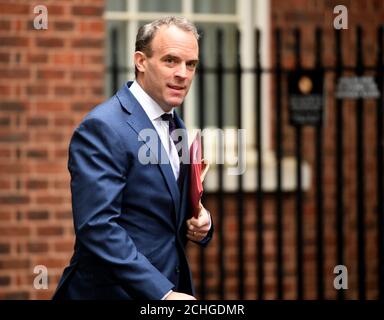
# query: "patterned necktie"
172, 127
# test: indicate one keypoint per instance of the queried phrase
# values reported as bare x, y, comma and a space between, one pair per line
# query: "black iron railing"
338, 165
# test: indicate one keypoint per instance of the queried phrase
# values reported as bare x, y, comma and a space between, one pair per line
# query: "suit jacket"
129, 216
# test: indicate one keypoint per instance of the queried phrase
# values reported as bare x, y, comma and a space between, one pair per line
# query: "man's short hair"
147, 32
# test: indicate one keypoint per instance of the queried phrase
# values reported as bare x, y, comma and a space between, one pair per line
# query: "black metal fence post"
115, 62
299, 198
201, 107
240, 193
259, 174
339, 171
360, 181
220, 166
380, 159
319, 181
279, 168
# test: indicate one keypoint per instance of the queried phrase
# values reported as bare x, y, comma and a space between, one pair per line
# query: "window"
125, 16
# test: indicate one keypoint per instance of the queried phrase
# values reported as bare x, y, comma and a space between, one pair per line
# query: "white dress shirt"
154, 112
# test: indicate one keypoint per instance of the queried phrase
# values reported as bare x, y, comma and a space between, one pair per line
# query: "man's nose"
181, 71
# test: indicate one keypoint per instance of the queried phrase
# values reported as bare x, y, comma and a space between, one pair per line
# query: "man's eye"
169, 60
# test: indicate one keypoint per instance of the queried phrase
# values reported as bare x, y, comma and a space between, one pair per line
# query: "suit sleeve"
98, 168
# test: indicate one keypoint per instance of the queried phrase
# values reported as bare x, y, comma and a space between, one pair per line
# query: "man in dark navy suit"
129, 193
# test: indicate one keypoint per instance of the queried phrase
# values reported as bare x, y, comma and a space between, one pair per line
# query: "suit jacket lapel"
139, 121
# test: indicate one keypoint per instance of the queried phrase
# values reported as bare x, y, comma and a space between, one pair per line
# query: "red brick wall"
48, 80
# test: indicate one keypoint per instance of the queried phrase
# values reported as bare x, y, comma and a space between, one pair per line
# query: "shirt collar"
150, 106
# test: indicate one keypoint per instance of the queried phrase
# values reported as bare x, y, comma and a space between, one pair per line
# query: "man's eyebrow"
170, 55
195, 61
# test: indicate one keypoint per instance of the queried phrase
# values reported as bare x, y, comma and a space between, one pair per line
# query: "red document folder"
197, 172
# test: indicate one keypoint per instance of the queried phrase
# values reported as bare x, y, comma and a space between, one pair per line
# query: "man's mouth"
174, 87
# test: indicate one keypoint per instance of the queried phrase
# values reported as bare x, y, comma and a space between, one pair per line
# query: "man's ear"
140, 61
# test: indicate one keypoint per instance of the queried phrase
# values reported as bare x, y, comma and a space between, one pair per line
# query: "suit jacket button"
177, 269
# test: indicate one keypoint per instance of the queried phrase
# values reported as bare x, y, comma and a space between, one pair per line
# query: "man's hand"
179, 296
198, 227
